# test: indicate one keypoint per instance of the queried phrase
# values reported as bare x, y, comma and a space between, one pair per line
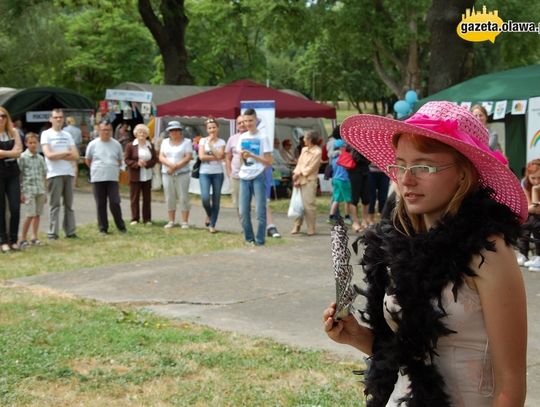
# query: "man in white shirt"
104, 157
256, 153
60, 154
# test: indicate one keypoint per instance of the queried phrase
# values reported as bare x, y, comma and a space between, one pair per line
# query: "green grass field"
56, 350
59, 351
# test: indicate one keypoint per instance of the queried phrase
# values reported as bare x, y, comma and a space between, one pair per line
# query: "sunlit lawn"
58, 351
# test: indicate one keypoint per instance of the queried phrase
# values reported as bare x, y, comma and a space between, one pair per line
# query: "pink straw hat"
450, 124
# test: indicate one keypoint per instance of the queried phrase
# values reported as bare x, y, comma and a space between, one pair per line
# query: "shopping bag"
196, 168
296, 206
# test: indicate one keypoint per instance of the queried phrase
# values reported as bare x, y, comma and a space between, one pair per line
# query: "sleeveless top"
464, 359
8, 166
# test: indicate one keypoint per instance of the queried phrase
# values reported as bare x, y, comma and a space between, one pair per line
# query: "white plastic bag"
296, 206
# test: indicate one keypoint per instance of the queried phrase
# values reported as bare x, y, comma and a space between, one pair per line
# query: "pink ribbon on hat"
450, 127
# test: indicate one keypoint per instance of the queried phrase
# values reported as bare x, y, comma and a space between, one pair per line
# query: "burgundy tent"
224, 102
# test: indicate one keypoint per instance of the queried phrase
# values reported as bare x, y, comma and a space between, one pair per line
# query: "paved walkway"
277, 292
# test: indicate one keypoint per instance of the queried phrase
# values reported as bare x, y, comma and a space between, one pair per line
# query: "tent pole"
232, 127
157, 127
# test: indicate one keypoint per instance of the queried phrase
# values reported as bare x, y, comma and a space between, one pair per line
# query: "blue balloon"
402, 107
411, 97
401, 115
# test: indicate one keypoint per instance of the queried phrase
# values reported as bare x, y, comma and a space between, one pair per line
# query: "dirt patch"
11, 291
86, 366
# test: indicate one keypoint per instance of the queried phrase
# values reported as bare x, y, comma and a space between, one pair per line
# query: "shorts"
359, 188
341, 191
33, 205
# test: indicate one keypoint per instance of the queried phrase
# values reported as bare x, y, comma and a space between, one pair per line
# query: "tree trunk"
170, 38
409, 71
451, 56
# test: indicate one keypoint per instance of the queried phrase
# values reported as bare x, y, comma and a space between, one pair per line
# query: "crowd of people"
251, 165
36, 169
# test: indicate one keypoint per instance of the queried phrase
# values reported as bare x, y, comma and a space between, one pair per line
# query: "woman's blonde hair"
10, 130
143, 128
409, 223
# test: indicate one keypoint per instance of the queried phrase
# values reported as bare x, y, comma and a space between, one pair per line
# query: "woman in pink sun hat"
445, 319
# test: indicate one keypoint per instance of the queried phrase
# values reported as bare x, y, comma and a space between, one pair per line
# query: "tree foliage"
359, 50
74, 45
106, 49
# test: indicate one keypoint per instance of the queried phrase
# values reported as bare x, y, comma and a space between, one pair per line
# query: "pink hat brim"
372, 136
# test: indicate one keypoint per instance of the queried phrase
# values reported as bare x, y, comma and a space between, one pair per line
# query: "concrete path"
277, 292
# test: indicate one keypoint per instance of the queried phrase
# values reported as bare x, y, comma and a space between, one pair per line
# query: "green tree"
450, 56
168, 27
106, 47
32, 45
75, 45
223, 44
510, 50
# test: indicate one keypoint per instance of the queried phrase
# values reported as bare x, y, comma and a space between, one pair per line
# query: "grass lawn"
59, 351
56, 350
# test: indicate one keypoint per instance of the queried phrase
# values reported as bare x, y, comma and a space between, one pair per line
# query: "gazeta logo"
478, 26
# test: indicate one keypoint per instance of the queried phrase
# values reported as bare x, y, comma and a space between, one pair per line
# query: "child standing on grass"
341, 186
33, 196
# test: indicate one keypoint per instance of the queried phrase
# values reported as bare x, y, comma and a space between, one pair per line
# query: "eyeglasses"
105, 121
211, 121
419, 171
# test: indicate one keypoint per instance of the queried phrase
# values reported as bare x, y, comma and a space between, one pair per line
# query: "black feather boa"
416, 269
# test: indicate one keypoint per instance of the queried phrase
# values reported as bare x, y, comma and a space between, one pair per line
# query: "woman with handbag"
211, 154
140, 157
10, 189
305, 177
175, 155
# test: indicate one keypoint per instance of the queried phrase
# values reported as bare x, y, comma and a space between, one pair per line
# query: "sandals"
359, 228
35, 242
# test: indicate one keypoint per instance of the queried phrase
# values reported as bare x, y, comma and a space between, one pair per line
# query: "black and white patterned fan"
346, 292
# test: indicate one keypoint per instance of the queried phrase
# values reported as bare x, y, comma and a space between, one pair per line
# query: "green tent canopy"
513, 84
18, 102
